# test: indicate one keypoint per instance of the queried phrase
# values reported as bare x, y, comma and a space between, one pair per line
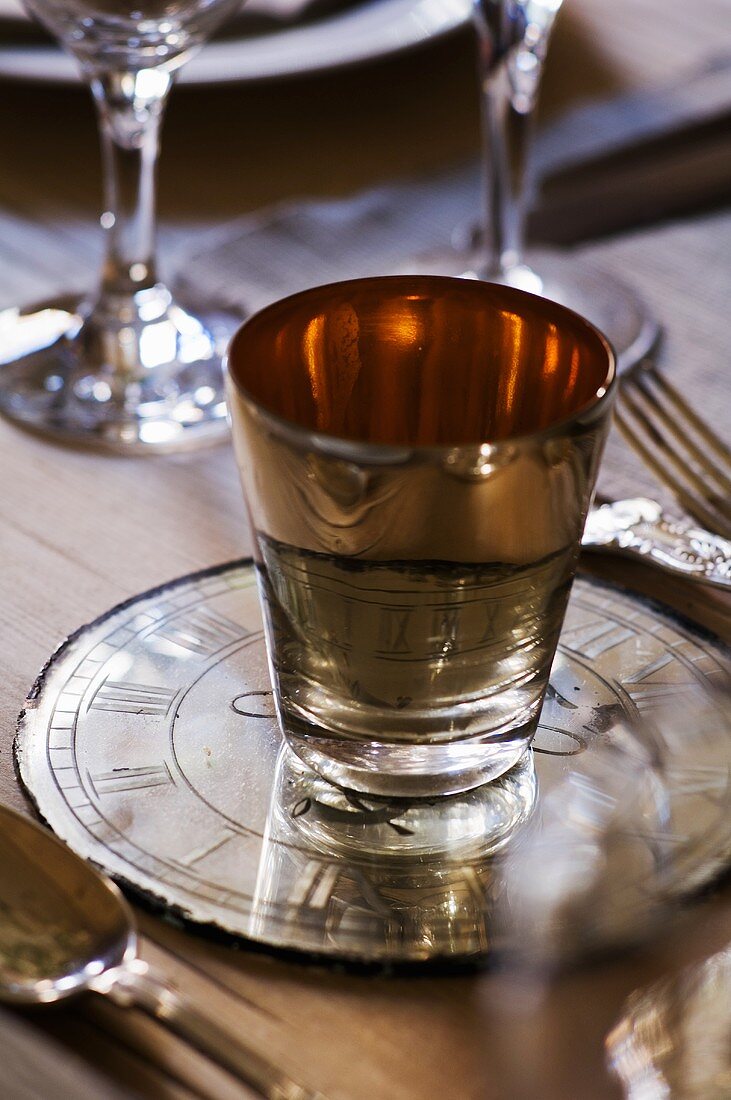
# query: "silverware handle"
639, 529
136, 985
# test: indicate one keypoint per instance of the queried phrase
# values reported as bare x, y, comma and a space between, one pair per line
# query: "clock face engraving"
151, 746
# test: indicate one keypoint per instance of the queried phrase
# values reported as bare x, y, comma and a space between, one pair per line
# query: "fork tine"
684, 409
672, 450
696, 506
668, 406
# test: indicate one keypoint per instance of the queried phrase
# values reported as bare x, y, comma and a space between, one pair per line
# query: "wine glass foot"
151, 383
614, 307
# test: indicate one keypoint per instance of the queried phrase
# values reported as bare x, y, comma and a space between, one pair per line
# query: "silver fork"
680, 449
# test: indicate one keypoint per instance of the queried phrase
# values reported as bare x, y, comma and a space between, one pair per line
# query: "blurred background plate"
371, 30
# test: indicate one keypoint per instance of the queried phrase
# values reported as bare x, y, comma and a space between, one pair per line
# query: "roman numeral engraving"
646, 692
445, 630
128, 698
202, 631
655, 695
649, 670
207, 849
318, 881
120, 780
393, 627
492, 610
315, 886
593, 639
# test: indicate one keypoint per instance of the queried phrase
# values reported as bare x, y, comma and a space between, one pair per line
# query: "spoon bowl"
62, 925
66, 929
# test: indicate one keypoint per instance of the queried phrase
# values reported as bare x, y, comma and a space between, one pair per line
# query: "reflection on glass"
629, 832
408, 880
586, 875
673, 1041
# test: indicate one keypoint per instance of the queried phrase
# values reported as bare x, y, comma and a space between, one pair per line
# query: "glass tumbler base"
155, 386
354, 826
408, 770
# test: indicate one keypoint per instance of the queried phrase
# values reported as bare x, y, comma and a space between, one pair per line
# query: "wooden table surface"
80, 532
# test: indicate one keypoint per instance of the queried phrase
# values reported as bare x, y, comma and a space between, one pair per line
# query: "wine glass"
128, 368
513, 38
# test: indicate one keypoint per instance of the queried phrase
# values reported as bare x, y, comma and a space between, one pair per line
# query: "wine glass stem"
130, 107
505, 138
510, 59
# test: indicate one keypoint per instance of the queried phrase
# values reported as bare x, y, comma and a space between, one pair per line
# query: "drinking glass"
128, 368
418, 456
513, 38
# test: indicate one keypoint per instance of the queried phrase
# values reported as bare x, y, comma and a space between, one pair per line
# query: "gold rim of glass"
263, 336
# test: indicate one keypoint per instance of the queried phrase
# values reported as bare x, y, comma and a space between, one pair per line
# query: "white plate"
374, 30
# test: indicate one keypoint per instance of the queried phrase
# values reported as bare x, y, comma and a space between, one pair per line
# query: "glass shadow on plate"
416, 876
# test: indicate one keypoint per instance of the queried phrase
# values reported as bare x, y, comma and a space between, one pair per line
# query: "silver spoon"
66, 929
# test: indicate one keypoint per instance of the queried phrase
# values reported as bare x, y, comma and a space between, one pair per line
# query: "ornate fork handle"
639, 529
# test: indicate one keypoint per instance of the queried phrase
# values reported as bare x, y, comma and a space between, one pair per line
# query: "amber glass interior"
420, 360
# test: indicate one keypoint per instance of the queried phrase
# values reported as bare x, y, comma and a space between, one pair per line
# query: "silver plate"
149, 744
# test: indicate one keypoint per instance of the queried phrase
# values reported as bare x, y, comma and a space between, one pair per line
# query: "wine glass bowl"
128, 367
122, 34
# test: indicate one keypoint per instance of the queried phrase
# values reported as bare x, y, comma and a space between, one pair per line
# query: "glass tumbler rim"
350, 448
